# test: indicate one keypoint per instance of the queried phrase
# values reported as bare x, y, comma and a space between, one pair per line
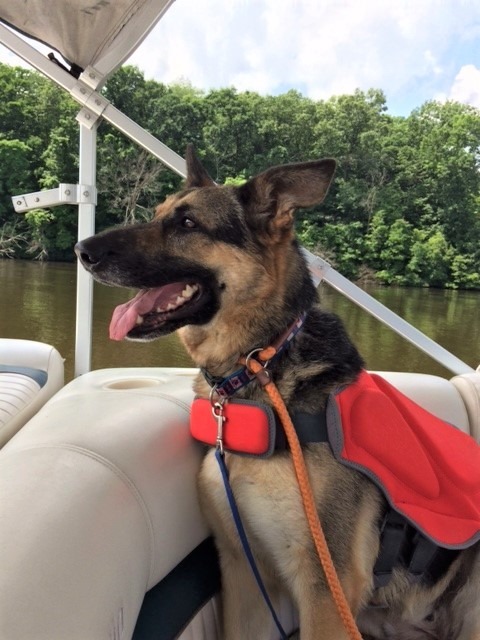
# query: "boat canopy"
87, 33
95, 37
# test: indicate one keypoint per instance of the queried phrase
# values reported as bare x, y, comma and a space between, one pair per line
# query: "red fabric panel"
246, 428
429, 470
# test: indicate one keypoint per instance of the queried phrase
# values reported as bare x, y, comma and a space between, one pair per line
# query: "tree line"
404, 207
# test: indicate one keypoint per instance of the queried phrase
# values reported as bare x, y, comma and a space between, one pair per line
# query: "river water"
38, 303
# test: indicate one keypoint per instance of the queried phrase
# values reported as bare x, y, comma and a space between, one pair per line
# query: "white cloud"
466, 86
324, 48
408, 48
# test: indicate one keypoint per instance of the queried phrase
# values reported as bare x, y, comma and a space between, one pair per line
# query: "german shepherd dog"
221, 266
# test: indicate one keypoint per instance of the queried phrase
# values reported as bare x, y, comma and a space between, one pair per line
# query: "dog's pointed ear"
272, 197
197, 175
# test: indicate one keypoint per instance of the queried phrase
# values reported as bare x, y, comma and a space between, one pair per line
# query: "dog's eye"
188, 223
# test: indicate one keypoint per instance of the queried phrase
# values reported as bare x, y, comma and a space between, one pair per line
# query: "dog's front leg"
319, 620
246, 616
317, 612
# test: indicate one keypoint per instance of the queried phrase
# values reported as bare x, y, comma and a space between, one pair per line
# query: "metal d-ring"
250, 356
220, 399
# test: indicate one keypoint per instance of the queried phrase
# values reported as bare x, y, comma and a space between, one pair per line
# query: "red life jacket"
428, 470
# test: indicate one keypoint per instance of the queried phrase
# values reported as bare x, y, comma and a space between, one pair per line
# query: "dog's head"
207, 246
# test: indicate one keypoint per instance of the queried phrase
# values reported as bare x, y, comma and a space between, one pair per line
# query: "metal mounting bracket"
94, 104
88, 117
91, 77
63, 194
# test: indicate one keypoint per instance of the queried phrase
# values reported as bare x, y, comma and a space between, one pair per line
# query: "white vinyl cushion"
98, 503
17, 392
468, 386
21, 396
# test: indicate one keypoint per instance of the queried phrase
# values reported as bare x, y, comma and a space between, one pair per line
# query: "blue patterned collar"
226, 387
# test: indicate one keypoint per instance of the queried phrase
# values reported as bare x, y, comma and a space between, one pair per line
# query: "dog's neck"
244, 376
220, 351
254, 322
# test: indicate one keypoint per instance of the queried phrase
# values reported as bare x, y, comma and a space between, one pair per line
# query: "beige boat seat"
101, 536
468, 386
30, 373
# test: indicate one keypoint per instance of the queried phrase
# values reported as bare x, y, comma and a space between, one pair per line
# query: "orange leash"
306, 492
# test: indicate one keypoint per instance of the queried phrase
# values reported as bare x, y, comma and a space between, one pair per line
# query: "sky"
414, 50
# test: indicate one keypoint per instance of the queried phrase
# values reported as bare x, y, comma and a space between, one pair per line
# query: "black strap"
429, 562
310, 428
393, 540
226, 387
403, 545
169, 606
400, 543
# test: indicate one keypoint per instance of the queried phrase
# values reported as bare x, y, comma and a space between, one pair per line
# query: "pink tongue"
124, 317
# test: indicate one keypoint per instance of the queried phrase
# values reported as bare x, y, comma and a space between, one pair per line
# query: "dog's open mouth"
152, 308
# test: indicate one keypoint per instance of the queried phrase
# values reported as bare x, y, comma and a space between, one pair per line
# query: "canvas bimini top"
87, 33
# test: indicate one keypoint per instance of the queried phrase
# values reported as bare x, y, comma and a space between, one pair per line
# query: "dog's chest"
268, 499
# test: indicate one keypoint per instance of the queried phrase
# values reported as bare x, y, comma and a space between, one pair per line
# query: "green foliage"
464, 272
15, 174
376, 238
12, 238
235, 181
39, 221
341, 244
395, 253
405, 202
430, 259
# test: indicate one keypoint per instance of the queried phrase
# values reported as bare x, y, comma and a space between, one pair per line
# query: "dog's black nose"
86, 254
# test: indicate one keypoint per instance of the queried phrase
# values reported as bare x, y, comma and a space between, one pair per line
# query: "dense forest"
404, 208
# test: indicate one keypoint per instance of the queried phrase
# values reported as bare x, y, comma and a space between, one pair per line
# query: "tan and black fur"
237, 245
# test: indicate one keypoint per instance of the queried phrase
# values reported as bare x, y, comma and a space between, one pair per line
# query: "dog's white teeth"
139, 320
189, 291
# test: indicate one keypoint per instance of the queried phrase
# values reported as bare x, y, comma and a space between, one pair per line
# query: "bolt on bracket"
64, 194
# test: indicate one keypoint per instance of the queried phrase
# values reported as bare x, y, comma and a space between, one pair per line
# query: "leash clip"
217, 412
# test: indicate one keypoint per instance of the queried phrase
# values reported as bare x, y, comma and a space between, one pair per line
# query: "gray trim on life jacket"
402, 542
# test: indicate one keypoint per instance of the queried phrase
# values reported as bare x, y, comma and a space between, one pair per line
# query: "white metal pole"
86, 227
321, 270
118, 119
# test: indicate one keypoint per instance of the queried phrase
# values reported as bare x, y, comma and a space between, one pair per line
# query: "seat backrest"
437, 395
98, 504
468, 386
30, 373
